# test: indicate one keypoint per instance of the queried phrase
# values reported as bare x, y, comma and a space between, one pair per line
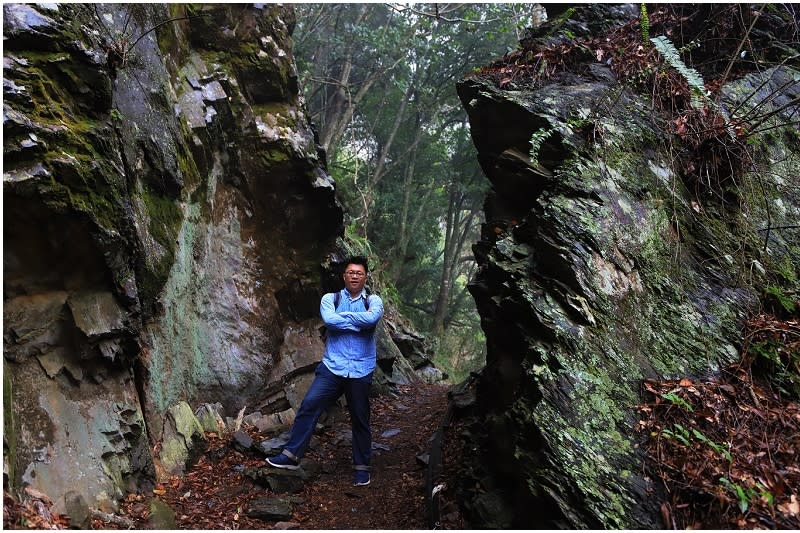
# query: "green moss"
173, 454
167, 36
785, 301
9, 426
658, 328
63, 87
656, 256
83, 178
165, 218
787, 269
188, 169
272, 157
590, 453
618, 208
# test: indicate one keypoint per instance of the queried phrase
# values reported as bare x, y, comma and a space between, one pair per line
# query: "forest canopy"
379, 82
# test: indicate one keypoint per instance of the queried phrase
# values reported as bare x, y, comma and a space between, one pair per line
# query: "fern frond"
670, 54
645, 24
356, 244
537, 139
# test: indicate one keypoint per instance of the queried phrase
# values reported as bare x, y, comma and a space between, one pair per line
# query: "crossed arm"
350, 320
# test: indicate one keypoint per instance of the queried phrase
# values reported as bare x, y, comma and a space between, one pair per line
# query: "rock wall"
167, 224
598, 269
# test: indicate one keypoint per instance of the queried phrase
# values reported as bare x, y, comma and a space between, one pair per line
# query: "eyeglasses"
355, 274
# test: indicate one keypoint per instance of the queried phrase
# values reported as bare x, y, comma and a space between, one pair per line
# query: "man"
347, 366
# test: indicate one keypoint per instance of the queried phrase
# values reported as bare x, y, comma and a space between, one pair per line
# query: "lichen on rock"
599, 268
148, 226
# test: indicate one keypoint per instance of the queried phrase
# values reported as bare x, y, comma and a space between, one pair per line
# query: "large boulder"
600, 268
163, 198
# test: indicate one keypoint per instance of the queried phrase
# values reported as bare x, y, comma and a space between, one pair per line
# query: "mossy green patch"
68, 99
171, 41
173, 454
165, 218
9, 426
591, 453
272, 157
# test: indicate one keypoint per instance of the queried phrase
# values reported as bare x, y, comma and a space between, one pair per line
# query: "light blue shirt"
350, 343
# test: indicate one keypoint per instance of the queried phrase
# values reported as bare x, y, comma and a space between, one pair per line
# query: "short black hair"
358, 260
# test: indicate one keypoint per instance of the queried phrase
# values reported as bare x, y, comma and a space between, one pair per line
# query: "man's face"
354, 278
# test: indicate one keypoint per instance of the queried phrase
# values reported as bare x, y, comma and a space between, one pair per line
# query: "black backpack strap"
337, 295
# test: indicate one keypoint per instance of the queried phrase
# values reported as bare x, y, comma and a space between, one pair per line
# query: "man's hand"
334, 320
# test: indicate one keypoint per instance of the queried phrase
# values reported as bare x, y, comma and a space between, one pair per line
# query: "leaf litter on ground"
727, 448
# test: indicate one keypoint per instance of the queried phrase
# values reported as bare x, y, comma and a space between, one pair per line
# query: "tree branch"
437, 15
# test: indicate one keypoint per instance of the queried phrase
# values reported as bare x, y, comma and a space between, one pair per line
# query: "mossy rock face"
262, 62
183, 440
602, 273
162, 516
149, 173
10, 428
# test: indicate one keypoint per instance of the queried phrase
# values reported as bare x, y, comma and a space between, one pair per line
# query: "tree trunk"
334, 114
457, 229
380, 166
440, 306
398, 254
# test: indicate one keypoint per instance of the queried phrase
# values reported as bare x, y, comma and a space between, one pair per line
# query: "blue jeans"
326, 389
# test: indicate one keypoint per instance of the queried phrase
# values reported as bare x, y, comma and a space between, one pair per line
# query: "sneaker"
361, 478
283, 461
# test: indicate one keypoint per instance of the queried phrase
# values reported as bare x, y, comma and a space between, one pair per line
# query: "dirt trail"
395, 497
217, 492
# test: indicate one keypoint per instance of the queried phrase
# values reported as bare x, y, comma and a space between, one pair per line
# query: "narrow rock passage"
217, 492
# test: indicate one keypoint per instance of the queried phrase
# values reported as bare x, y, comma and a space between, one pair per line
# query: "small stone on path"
286, 525
269, 509
241, 441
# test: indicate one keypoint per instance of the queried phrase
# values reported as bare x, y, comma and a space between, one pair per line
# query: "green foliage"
388, 292
720, 449
558, 23
783, 299
537, 139
645, 24
745, 495
404, 164
767, 350
692, 77
786, 269
460, 350
680, 434
677, 400
356, 244
685, 437
781, 363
